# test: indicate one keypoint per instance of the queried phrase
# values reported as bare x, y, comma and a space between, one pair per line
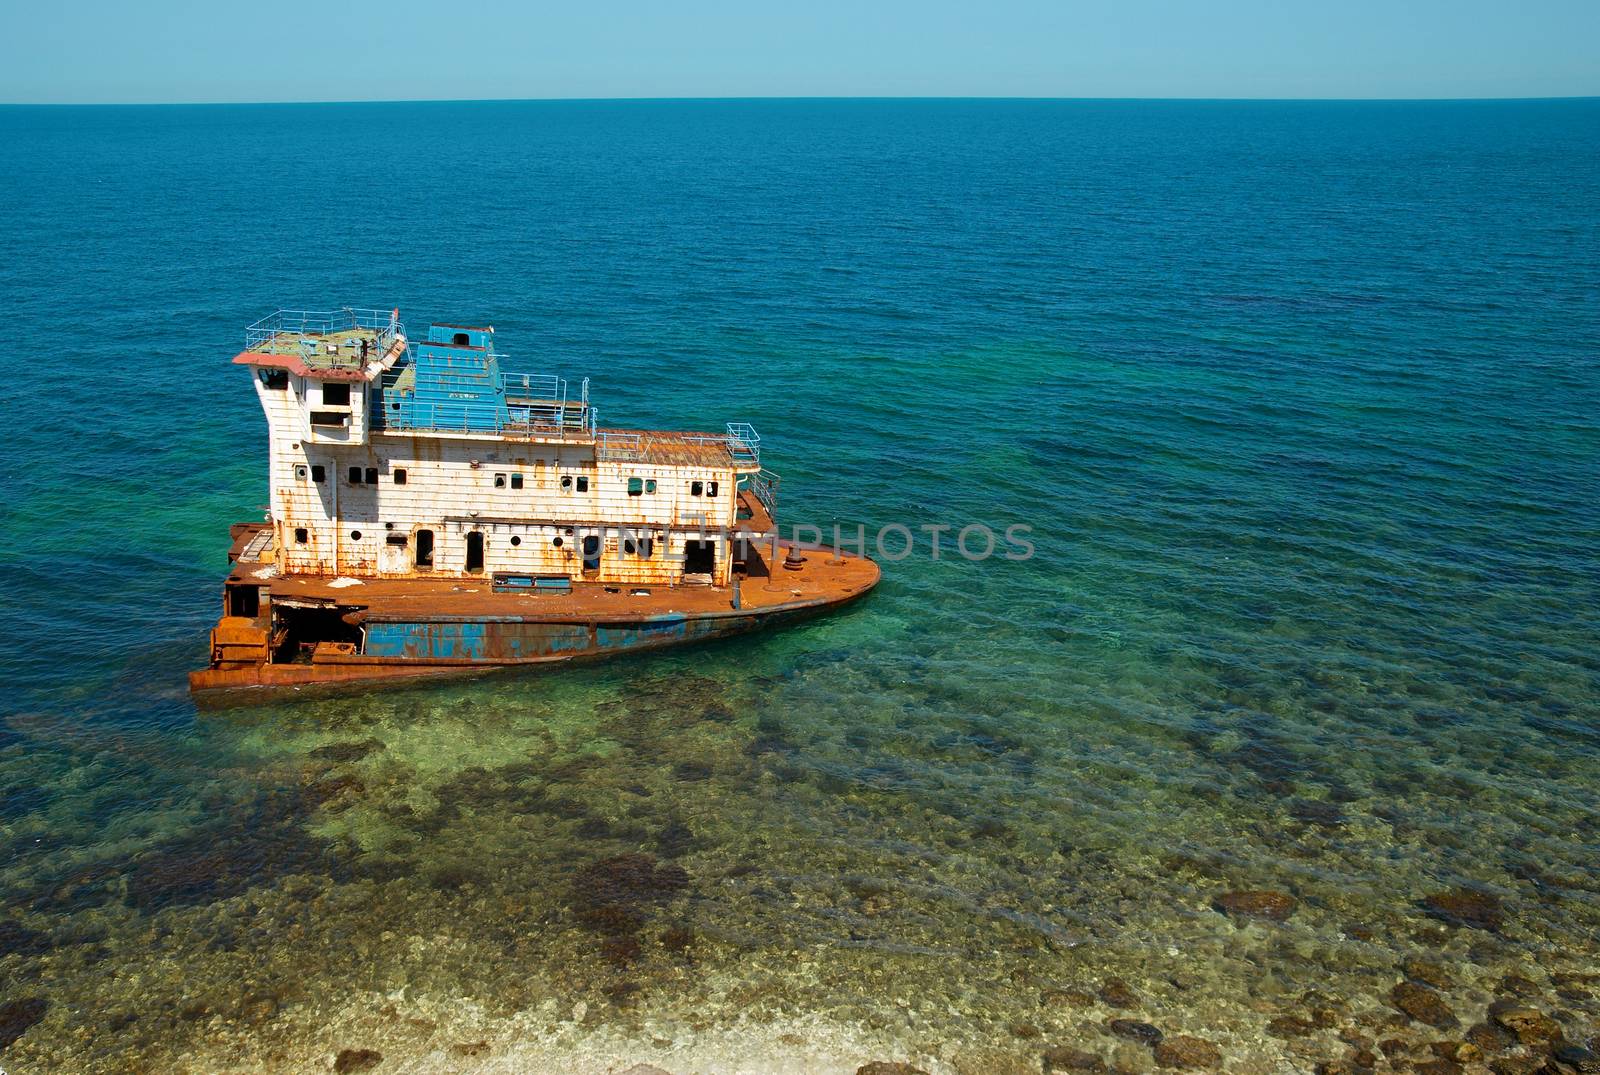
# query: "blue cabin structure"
454, 381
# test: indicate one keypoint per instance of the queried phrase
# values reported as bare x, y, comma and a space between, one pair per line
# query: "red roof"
297, 365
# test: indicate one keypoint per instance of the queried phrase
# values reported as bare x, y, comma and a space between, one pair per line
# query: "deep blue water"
1302, 403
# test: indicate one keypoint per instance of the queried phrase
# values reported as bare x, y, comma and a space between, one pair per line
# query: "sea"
1279, 747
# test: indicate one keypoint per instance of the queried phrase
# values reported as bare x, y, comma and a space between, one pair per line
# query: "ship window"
566, 483
635, 486
275, 378
400, 475
696, 488
711, 488
475, 551
627, 546
355, 475
583, 485
499, 481
336, 395
515, 540
647, 548
649, 485
395, 539
372, 475
319, 473
591, 552
355, 535
556, 542
300, 535
461, 339
424, 548
301, 473
516, 481
329, 418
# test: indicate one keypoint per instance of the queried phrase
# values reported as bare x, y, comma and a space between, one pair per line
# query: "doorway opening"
591, 552
424, 548
475, 551
699, 557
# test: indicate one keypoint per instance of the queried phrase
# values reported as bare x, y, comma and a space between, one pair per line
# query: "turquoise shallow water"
1300, 401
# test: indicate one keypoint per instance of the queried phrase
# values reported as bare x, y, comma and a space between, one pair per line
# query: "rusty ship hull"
309, 632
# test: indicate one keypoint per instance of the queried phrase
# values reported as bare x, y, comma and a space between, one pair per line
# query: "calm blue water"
1302, 403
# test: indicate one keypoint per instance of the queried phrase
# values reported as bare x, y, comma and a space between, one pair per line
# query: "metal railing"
323, 322
741, 442
764, 484
622, 447
744, 443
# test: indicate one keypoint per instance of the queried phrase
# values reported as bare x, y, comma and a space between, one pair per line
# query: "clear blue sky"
297, 50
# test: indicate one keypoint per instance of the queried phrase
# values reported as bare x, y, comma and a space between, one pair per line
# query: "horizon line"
782, 97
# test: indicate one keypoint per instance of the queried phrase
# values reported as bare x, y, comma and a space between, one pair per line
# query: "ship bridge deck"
342, 343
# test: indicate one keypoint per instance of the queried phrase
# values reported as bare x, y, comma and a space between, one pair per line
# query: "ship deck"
822, 578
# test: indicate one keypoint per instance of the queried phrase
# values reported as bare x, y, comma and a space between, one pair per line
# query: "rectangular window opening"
355, 475
335, 395
329, 418
400, 475
372, 475
499, 481
583, 485
319, 473
697, 488
300, 535
516, 481
711, 488
636, 487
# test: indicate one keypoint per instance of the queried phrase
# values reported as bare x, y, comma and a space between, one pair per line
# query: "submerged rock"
1584, 1061
1489, 1038
1428, 973
1465, 907
1515, 1065
351, 1060
347, 752
1184, 1051
1531, 1026
1273, 906
1133, 1030
1118, 993
1462, 1052
18, 940
18, 1015
1317, 812
1065, 1058
1072, 998
631, 878
1519, 986
1290, 1026
1422, 1004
